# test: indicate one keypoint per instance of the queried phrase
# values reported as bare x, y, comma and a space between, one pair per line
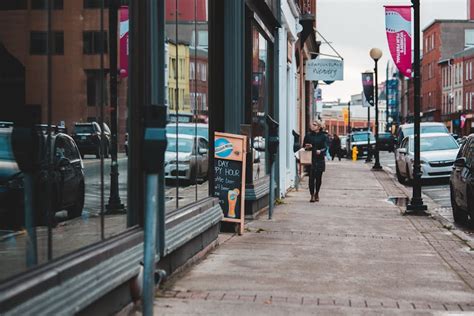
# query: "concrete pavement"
351, 253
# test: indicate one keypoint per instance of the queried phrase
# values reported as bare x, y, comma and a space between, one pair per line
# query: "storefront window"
60, 195
187, 158
260, 94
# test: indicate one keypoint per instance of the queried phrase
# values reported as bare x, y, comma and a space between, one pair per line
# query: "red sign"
398, 28
124, 50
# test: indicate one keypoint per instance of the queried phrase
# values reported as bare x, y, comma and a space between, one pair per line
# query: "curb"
442, 220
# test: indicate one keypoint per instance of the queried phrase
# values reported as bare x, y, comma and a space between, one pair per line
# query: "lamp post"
376, 54
115, 204
416, 205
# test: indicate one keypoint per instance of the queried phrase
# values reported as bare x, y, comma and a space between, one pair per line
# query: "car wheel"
400, 178
459, 215
76, 209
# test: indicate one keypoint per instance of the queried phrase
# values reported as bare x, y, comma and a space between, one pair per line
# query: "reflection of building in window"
92, 42
12, 5
178, 76
93, 87
43, 4
38, 43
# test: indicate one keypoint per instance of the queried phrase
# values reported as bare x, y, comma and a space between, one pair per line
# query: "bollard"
355, 152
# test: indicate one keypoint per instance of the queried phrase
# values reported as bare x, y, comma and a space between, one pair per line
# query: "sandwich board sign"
229, 176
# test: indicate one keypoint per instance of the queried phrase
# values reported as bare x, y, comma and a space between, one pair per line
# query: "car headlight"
422, 162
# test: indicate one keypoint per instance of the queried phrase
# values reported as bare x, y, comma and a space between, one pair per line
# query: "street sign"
229, 176
324, 69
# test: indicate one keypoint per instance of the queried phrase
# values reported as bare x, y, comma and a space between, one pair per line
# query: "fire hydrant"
355, 152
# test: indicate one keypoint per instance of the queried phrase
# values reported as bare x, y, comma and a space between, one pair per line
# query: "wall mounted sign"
324, 69
229, 176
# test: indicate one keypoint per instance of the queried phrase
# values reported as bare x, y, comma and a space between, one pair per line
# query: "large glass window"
260, 94
69, 190
187, 158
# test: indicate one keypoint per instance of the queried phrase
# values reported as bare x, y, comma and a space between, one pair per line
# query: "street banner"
368, 86
124, 50
324, 69
229, 176
398, 28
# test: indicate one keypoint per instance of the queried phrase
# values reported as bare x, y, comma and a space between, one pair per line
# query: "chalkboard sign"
228, 185
229, 176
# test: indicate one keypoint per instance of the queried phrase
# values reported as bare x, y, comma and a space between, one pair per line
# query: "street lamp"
115, 204
376, 54
416, 205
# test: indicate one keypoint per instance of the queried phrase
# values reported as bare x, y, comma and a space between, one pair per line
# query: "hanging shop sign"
124, 47
398, 28
324, 69
229, 176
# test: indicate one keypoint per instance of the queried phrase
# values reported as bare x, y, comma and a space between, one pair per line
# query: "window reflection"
186, 158
260, 94
56, 84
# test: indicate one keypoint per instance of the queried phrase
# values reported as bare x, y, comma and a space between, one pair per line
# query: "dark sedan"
462, 183
386, 142
67, 181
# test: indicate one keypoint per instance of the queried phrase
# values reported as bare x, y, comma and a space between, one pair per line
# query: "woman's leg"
319, 179
312, 175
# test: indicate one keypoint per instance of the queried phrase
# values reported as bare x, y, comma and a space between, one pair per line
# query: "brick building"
441, 40
76, 61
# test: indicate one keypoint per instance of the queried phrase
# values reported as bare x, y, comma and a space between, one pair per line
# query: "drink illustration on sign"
232, 196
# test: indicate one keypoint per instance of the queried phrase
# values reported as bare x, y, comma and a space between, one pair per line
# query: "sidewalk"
351, 253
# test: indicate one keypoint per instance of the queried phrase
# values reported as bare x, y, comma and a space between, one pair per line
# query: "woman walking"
316, 142
335, 148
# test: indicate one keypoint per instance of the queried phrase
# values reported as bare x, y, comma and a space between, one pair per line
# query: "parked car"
88, 138
461, 182
359, 139
437, 154
386, 142
199, 129
186, 157
67, 181
425, 128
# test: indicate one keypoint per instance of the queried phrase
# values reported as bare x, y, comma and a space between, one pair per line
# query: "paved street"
352, 253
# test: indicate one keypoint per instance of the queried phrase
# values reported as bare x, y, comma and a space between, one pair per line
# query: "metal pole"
377, 165
416, 205
149, 255
31, 245
386, 100
368, 159
115, 204
272, 190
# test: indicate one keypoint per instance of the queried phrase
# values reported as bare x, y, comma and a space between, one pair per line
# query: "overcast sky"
355, 26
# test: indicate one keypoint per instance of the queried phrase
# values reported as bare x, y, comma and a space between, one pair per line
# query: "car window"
6, 152
203, 143
84, 129
427, 129
436, 143
180, 144
469, 153
71, 149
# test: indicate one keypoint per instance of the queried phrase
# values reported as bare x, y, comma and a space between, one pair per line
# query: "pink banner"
124, 41
398, 27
